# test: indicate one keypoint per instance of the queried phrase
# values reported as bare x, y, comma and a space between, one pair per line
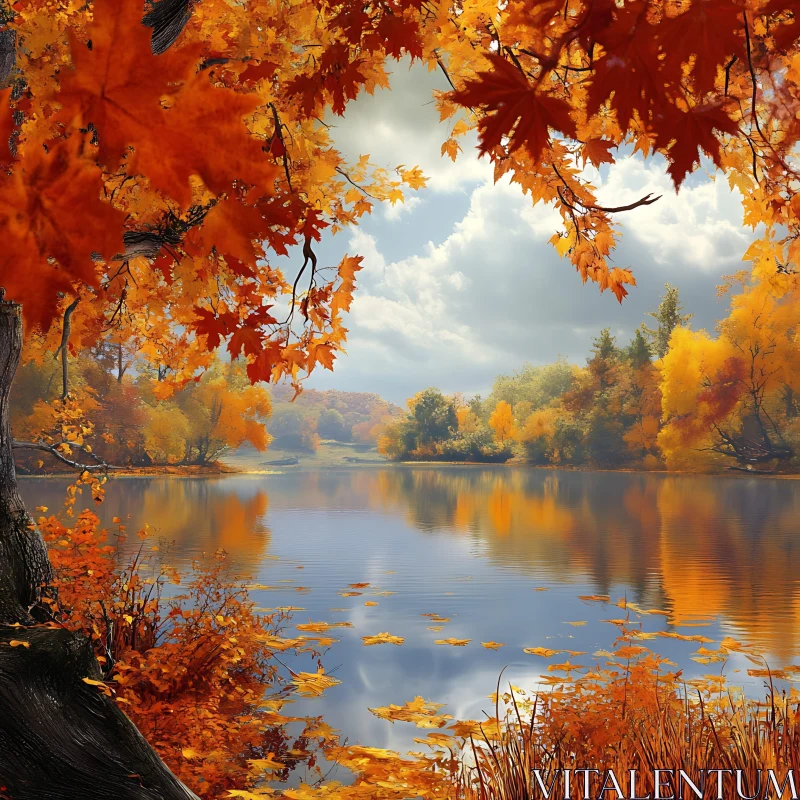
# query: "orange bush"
196, 671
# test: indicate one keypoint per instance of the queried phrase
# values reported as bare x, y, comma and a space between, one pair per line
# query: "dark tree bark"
24, 565
60, 737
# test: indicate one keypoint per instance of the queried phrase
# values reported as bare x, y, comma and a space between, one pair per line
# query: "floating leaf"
382, 638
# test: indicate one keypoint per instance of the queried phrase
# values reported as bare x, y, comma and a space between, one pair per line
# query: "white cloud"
700, 226
397, 210
452, 297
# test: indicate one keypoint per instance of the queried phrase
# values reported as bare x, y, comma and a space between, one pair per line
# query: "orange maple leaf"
53, 221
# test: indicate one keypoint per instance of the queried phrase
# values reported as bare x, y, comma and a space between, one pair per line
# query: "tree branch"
100, 465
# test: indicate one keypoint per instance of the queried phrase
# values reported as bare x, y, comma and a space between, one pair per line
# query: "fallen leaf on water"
313, 684
421, 713
544, 652
436, 628
278, 643
351, 594
358, 585
541, 589
492, 645
383, 638
322, 641
578, 624
565, 667
321, 627
683, 637
594, 598
454, 642
370, 603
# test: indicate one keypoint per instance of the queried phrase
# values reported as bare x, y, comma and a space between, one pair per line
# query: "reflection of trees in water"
697, 545
198, 515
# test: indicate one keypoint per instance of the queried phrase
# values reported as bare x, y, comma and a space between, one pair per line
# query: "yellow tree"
501, 421
733, 395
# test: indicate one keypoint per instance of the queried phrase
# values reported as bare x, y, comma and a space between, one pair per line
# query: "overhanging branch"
99, 465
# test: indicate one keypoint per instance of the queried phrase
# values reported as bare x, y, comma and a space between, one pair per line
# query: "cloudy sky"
460, 284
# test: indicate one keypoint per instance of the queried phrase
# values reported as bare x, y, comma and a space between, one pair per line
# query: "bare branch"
100, 465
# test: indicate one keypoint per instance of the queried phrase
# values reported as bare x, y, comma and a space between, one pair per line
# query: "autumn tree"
725, 395
668, 316
501, 421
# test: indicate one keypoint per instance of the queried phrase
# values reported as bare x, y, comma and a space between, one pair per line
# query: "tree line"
671, 397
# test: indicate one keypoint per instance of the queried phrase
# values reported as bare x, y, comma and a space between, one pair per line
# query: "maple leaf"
213, 326
53, 221
247, 339
711, 30
544, 652
203, 133
628, 73
597, 151
116, 83
382, 638
690, 131
517, 109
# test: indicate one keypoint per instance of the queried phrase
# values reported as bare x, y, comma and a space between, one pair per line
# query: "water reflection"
696, 546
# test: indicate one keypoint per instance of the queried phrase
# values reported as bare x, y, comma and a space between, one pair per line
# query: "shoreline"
221, 469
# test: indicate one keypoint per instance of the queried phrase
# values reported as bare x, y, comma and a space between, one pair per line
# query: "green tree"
605, 355
331, 425
668, 317
639, 352
435, 415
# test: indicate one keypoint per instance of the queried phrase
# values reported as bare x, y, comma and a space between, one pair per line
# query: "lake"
504, 554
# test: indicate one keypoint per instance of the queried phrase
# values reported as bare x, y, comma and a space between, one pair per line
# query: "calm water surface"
474, 545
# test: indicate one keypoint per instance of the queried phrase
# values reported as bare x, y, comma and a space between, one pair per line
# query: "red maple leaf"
516, 109
712, 30
690, 131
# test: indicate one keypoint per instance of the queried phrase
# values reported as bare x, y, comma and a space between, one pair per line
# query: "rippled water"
504, 554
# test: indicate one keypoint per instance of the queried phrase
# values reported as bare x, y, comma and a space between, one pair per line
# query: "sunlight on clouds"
700, 225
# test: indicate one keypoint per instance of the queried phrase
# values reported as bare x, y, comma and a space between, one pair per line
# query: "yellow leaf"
492, 645
544, 652
313, 684
454, 642
19, 643
189, 754
382, 638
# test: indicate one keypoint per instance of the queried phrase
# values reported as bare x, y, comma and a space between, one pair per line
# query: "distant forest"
670, 398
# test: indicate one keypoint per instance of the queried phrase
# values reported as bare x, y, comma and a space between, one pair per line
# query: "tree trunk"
60, 738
